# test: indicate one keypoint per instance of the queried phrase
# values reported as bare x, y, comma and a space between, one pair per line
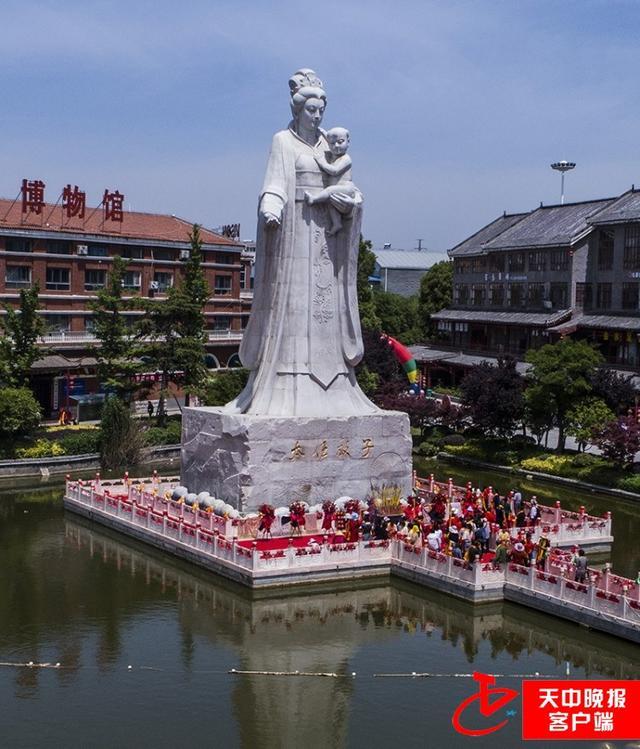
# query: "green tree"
561, 375
586, 418
494, 397
121, 436
366, 267
115, 355
19, 412
223, 386
436, 293
20, 331
398, 316
172, 333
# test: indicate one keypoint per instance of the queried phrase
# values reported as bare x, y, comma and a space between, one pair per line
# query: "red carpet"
274, 544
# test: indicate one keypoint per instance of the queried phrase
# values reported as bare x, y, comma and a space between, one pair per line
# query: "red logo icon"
488, 707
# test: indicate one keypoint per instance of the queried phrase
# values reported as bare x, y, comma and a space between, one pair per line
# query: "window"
131, 252
630, 295
17, 276
478, 296
57, 323
516, 295
495, 262
584, 295
516, 261
558, 295
224, 258
605, 249
18, 245
496, 293
163, 253
163, 281
94, 279
243, 277
631, 259
89, 324
98, 250
58, 247
462, 266
222, 285
537, 261
559, 260
58, 279
461, 294
603, 296
220, 323
131, 279
535, 294
478, 264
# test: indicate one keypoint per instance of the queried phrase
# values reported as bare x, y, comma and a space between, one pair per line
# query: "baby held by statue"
339, 169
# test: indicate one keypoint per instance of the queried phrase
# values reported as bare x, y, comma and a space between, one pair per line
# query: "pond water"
146, 644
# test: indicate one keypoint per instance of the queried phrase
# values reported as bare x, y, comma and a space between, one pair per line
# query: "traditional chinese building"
68, 249
528, 279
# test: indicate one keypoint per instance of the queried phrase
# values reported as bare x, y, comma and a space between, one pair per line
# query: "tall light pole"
562, 167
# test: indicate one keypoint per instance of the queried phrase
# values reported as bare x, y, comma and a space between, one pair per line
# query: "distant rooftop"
625, 208
135, 225
408, 259
550, 226
474, 245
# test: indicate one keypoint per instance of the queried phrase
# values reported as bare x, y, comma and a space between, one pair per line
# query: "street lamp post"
562, 167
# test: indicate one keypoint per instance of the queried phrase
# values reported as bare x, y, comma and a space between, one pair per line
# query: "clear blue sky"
456, 108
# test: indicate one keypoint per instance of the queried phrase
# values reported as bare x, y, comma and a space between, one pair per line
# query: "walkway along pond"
606, 602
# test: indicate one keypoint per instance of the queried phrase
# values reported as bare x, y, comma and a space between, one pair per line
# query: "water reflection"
75, 593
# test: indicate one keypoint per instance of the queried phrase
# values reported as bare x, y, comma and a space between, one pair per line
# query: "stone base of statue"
248, 460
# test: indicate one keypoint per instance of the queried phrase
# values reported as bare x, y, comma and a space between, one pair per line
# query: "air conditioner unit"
82, 249
185, 254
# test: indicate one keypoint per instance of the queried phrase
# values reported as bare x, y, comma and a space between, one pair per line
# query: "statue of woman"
303, 339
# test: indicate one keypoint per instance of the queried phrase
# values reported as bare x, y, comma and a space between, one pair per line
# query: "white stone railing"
595, 596
427, 561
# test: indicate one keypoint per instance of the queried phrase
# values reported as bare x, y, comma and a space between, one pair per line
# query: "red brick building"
70, 259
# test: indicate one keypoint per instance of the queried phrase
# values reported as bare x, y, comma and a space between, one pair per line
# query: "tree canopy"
436, 293
560, 376
20, 331
493, 396
115, 354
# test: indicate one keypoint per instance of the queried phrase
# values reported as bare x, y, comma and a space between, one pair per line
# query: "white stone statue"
303, 339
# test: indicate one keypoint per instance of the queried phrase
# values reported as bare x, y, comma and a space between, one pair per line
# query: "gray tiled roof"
625, 208
474, 245
425, 354
550, 226
506, 318
408, 259
610, 321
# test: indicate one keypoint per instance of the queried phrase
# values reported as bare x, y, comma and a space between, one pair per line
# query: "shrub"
453, 439
19, 412
554, 464
428, 450
630, 484
169, 435
120, 435
507, 457
41, 449
586, 460
81, 443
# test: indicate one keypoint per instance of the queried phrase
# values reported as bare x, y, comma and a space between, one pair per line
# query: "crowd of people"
477, 525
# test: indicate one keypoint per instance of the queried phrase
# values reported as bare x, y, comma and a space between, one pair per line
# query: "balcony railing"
84, 336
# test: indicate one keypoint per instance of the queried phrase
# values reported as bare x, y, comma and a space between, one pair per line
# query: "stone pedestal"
247, 460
